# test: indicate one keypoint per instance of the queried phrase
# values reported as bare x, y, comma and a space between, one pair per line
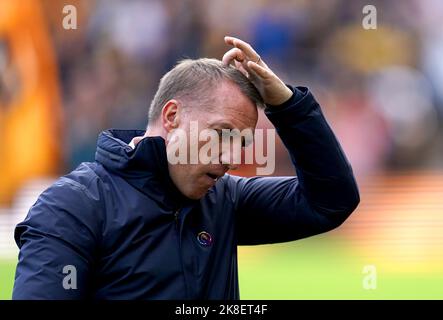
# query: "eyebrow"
243, 140
222, 124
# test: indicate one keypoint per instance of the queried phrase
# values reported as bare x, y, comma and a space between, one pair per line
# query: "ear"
171, 115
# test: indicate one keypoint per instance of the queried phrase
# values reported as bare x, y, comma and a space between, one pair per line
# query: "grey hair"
194, 80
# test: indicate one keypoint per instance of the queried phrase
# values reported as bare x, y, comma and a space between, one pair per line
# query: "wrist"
284, 95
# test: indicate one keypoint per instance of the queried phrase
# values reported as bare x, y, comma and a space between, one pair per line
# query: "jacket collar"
145, 167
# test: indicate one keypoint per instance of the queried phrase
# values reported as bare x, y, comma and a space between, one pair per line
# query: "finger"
229, 40
244, 46
240, 67
233, 54
249, 52
259, 70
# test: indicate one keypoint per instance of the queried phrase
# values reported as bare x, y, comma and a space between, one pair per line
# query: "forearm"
325, 176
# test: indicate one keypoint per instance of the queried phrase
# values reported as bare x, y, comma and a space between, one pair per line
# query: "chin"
195, 194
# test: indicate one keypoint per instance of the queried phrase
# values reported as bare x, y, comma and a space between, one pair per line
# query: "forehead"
231, 109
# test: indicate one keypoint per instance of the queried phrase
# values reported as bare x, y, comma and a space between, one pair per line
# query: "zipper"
176, 218
177, 229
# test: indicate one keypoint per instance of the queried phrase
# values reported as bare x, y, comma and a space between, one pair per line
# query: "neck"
154, 131
150, 132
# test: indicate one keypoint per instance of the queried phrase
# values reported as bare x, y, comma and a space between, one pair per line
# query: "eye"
220, 135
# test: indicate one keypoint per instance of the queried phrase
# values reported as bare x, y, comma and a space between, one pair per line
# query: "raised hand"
248, 61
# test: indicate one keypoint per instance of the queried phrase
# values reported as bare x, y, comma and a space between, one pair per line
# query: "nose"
230, 160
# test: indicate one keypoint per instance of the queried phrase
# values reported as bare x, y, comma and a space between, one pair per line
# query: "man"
131, 225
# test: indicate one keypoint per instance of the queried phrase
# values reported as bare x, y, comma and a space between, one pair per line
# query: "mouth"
214, 176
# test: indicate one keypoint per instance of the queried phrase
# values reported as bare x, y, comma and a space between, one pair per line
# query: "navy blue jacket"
130, 234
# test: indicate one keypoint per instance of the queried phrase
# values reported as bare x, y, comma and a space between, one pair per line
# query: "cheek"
191, 173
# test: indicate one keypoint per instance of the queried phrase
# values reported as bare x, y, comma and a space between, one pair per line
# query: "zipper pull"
176, 217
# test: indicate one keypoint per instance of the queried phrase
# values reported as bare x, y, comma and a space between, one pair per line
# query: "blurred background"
381, 91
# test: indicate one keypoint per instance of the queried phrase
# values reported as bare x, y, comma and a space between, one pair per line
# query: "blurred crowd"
381, 90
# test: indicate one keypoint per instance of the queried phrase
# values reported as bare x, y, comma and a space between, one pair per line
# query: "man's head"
208, 94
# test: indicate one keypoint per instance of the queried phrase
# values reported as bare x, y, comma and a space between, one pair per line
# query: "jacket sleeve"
322, 195
57, 243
